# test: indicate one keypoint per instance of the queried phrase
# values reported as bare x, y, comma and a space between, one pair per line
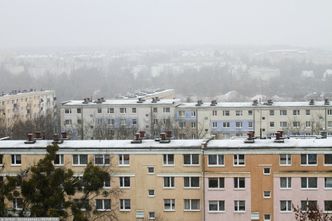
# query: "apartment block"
26, 105
228, 179
197, 120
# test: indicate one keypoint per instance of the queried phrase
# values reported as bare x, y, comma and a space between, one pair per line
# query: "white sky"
52, 23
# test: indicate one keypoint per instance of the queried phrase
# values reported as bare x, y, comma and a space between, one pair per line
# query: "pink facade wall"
228, 194
296, 194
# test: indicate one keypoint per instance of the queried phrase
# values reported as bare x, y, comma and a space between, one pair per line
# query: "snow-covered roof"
122, 102
250, 104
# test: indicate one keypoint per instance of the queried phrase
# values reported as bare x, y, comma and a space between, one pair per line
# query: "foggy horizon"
109, 24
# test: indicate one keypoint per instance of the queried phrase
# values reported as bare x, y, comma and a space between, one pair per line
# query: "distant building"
26, 105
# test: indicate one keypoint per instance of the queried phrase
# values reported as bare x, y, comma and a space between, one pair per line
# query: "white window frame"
171, 203
267, 194
307, 183
267, 173
166, 160
307, 160
288, 160
61, 160
288, 206
325, 182
237, 206
190, 182
214, 124
237, 183
218, 159
267, 219
105, 158
103, 204
220, 180
327, 211
79, 163
191, 160
153, 193
16, 160
124, 205
16, 203
151, 167
169, 182
217, 203
288, 183
237, 161
123, 162
190, 201
123, 180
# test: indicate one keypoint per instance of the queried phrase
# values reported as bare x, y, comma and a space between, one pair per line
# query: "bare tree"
311, 213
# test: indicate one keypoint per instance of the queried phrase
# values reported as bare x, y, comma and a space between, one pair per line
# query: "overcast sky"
46, 23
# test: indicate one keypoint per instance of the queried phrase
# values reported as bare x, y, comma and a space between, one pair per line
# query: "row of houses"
164, 179
100, 119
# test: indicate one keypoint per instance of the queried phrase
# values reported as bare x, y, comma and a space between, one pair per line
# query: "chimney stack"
30, 139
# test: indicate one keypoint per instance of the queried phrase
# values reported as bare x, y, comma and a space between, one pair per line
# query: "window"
134, 121
329, 112
225, 113
79, 110
124, 204
133, 110
216, 182
102, 159
99, 110
67, 111
308, 204
191, 182
329, 124
285, 206
238, 124
214, 113
285, 159
285, 182
191, 159
110, 121
328, 182
238, 160
250, 124
151, 193
267, 171
271, 124
16, 159
309, 182
296, 112
110, 110
308, 124
238, 113
82, 204
283, 124
150, 170
168, 159
123, 110
192, 204
80, 159
155, 110
107, 182
267, 194
226, 124
327, 159
308, 159
307, 112
296, 124
169, 182
152, 215
1, 159
216, 205
18, 203
68, 122
214, 124
193, 124
124, 182
271, 112
328, 206
216, 160
283, 112
249, 112
58, 159
169, 204
239, 206
239, 183
123, 122
267, 217
166, 110
103, 204
124, 159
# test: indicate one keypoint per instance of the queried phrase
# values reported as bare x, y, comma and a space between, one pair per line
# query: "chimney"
326, 101
56, 139
137, 138
142, 134
213, 103
311, 102
64, 135
251, 137
164, 138
30, 139
279, 137
199, 103
255, 102
169, 134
